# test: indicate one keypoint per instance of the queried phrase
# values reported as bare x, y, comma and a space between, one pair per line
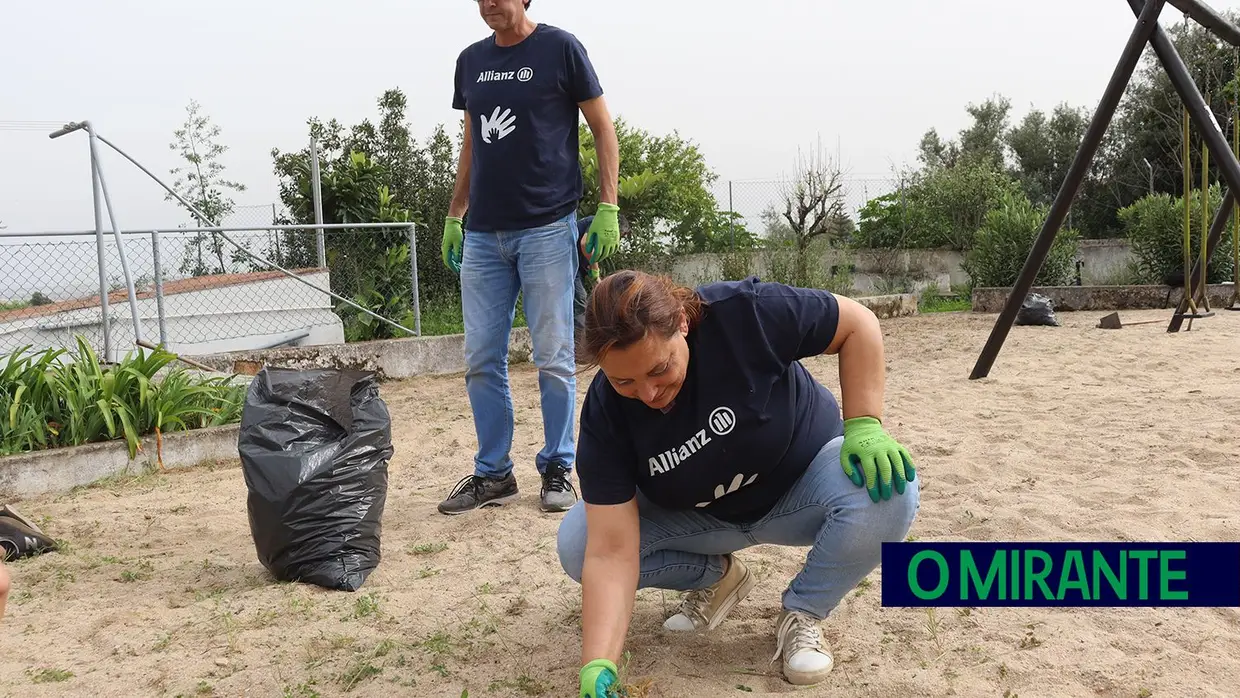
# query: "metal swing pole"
1147, 23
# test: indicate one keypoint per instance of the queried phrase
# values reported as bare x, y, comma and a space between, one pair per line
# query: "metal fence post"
159, 289
731, 219
316, 191
413, 265
103, 266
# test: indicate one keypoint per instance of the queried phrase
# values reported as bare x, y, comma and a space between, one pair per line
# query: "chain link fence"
197, 293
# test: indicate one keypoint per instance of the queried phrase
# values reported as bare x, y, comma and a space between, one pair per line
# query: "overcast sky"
748, 81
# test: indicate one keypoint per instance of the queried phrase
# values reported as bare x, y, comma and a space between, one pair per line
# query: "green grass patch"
443, 316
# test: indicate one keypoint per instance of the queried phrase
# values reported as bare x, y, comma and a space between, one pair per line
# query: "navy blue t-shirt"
523, 103
746, 423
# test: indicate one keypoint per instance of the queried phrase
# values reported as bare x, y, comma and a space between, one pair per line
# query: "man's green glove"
598, 679
453, 243
871, 457
603, 237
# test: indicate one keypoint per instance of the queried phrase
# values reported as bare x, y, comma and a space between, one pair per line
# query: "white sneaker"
704, 609
799, 639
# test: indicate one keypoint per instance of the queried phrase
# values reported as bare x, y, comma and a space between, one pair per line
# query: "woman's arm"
608, 579
863, 368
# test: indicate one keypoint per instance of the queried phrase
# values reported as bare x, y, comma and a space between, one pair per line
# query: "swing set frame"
1146, 32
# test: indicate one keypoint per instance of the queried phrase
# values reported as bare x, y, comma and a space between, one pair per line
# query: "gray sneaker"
475, 492
557, 492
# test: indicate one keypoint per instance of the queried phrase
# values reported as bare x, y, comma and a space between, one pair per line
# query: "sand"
1078, 434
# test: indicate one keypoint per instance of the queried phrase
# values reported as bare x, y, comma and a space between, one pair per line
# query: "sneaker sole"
555, 509
489, 503
807, 678
738, 594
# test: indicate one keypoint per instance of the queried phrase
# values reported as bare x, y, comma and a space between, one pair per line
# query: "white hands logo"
735, 485
498, 125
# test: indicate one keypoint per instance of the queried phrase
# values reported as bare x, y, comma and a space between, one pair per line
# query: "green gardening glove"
603, 237
453, 243
870, 452
598, 679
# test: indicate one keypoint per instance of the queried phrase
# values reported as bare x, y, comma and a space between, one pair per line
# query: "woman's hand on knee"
873, 459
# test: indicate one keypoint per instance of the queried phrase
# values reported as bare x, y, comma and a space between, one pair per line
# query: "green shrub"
940, 208
1154, 226
1002, 244
55, 398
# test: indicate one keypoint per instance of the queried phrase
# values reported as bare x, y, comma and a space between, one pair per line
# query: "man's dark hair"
527, 4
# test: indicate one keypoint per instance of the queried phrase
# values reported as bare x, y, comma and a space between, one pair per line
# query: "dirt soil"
1078, 434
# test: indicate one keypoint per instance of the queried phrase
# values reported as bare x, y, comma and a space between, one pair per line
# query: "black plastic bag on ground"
314, 449
1037, 310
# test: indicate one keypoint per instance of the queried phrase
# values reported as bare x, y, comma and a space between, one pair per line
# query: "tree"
813, 209
981, 143
201, 181
678, 213
419, 177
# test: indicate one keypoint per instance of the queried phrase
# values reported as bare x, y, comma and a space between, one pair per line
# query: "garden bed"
56, 400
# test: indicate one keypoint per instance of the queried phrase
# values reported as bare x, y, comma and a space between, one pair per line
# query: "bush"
47, 402
1154, 226
941, 208
1002, 244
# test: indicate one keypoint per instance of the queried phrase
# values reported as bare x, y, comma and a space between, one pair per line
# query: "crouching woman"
702, 434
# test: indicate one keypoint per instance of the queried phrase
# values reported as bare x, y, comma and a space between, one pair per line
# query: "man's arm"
460, 192
607, 145
608, 579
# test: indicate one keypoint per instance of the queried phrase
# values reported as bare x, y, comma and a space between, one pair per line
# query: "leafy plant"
1004, 240
1154, 226
57, 398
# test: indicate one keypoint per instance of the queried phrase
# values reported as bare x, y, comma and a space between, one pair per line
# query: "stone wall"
1068, 298
1101, 262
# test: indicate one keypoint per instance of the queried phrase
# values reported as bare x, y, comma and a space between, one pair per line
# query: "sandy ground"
1079, 434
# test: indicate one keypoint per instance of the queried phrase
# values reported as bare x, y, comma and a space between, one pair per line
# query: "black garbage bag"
314, 448
1037, 310
20, 537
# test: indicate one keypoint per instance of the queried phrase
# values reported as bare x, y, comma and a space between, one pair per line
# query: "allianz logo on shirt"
522, 75
720, 422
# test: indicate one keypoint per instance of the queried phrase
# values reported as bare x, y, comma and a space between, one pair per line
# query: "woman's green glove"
869, 454
598, 679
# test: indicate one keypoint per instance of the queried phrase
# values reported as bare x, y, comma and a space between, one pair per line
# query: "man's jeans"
683, 550
540, 263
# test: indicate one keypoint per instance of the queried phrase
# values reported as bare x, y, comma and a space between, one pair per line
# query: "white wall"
240, 317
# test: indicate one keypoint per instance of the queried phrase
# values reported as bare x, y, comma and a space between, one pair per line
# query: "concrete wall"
1101, 261
62, 469
388, 358
1069, 298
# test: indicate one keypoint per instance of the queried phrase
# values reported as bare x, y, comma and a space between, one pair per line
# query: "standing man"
519, 178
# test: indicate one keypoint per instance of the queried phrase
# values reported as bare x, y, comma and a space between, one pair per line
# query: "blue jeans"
683, 550
540, 263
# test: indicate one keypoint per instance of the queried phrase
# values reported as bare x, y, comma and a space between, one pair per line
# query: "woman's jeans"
541, 264
683, 550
